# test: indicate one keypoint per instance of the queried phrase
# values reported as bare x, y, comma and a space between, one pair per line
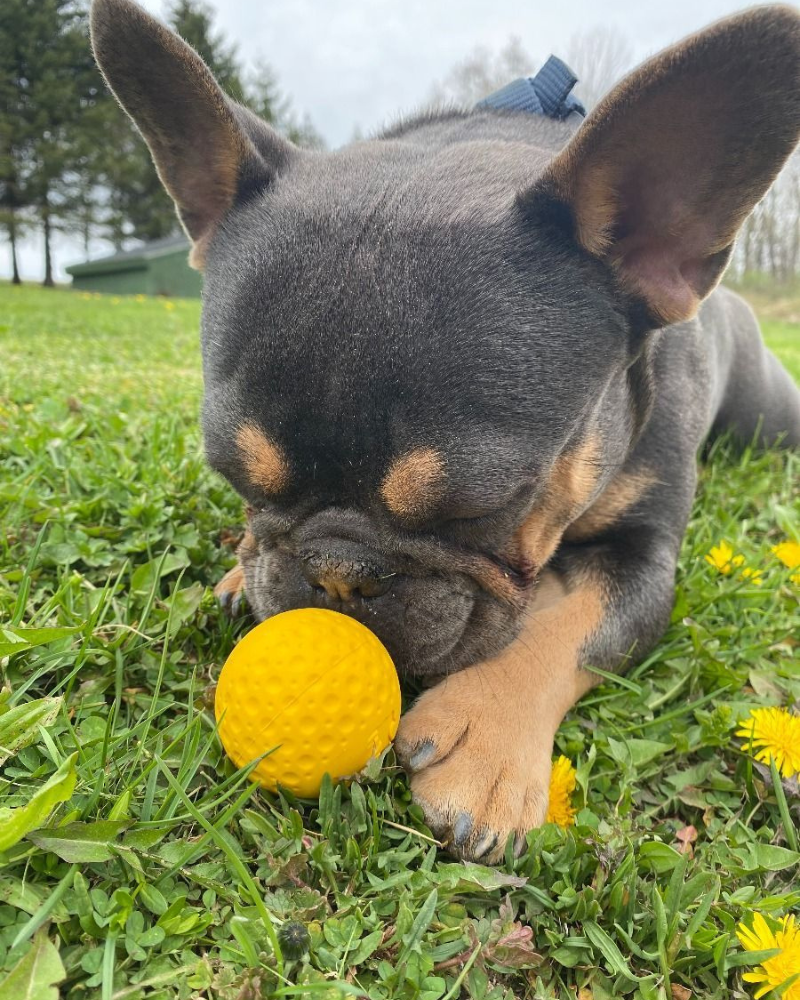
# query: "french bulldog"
460, 373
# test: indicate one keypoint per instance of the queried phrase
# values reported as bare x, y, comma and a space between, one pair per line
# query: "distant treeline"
70, 159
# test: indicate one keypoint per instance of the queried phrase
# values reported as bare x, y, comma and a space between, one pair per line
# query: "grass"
152, 869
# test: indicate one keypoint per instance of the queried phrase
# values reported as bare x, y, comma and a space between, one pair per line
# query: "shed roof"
132, 260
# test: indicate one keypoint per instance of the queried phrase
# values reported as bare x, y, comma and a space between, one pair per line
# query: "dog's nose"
344, 575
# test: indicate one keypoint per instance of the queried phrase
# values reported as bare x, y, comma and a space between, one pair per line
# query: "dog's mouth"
436, 608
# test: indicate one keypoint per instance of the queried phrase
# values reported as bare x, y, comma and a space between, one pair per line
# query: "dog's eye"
468, 521
463, 519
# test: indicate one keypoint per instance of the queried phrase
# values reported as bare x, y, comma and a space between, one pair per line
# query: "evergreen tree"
69, 156
49, 80
264, 96
133, 202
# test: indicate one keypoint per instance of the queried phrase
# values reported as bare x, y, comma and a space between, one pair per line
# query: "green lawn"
157, 871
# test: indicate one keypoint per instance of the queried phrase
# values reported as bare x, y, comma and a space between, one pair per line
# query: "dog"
460, 373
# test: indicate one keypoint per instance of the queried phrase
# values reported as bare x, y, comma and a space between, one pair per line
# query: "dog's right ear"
202, 144
667, 167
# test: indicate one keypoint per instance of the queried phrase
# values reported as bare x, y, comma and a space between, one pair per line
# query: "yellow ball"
316, 688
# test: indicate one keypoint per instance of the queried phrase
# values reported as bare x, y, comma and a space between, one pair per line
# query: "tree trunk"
48, 260
12, 238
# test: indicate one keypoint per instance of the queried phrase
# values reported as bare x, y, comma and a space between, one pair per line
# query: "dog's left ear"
664, 171
210, 153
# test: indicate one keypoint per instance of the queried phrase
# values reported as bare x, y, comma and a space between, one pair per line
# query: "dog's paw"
479, 769
230, 590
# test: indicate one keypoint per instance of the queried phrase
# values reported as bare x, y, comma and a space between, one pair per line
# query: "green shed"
160, 267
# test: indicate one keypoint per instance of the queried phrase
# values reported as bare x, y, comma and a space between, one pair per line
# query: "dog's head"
426, 355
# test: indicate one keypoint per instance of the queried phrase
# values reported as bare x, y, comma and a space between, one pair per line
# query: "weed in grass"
147, 867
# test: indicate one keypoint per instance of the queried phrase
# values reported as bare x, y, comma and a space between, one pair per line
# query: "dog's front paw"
479, 769
230, 590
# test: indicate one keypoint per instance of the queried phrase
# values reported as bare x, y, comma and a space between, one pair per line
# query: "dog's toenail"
462, 829
422, 755
520, 844
485, 844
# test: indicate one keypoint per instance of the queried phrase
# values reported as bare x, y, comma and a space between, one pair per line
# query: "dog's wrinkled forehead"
390, 298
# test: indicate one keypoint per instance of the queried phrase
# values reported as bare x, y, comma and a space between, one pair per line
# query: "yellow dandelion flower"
720, 557
169, 306
789, 555
725, 561
775, 971
753, 575
562, 785
140, 298
773, 732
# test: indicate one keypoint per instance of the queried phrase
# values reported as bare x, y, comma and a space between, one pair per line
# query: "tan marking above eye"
414, 483
264, 461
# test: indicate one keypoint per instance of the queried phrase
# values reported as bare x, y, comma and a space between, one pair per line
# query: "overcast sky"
351, 63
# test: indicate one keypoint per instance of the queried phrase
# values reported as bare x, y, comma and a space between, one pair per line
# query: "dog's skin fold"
460, 373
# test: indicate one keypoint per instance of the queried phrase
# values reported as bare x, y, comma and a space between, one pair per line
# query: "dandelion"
140, 298
562, 785
775, 971
169, 306
773, 733
721, 557
789, 555
725, 561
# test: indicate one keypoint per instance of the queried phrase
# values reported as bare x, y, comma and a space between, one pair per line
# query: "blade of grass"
789, 829
236, 864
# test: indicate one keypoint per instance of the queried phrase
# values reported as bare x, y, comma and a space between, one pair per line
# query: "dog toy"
310, 692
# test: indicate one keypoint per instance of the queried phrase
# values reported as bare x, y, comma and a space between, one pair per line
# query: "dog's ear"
208, 151
664, 171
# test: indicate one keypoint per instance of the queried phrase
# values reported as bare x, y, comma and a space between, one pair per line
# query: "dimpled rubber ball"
316, 688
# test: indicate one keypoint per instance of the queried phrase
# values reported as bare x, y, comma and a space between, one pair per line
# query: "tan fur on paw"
478, 746
230, 590
478, 773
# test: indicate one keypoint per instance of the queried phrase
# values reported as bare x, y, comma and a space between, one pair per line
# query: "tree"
481, 73
769, 241
264, 97
132, 201
599, 57
69, 156
49, 80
